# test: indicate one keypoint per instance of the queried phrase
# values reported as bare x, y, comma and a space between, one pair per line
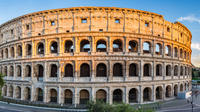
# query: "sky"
184, 11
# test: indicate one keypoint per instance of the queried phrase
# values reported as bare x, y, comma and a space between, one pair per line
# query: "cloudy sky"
185, 11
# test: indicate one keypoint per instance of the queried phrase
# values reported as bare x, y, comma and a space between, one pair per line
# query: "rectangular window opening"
52, 23
147, 24
117, 20
84, 20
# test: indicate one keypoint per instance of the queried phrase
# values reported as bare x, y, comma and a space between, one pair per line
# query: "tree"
1, 82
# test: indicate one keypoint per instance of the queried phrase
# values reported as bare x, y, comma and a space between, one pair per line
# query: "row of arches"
101, 46
101, 70
101, 94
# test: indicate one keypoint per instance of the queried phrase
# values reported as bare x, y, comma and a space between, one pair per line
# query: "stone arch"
54, 70
168, 91
28, 50
117, 45
19, 50
133, 46
6, 52
85, 70
159, 92
12, 52
133, 69
27, 93
168, 70
146, 47
175, 52
117, 70
181, 71
147, 70
117, 96
5, 70
2, 54
18, 92
185, 55
54, 47
101, 95
147, 94
69, 70
28, 71
19, 71
168, 50
133, 95
85, 46
40, 71
53, 95
68, 96
181, 53
39, 94
10, 91
11, 71
101, 46
176, 90
158, 70
101, 70
69, 46
40, 48
158, 49
175, 70
5, 90
84, 96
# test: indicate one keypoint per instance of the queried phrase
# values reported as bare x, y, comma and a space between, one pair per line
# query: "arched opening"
117, 70
85, 46
68, 70
181, 88
28, 50
69, 46
11, 71
168, 70
146, 47
185, 55
19, 50
6, 52
159, 93
5, 71
40, 48
117, 96
133, 69
2, 53
133, 46
101, 95
12, 52
101, 46
117, 45
147, 94
5, 91
68, 96
175, 90
85, 70
53, 96
27, 93
168, 91
18, 92
158, 70
40, 71
175, 52
39, 93
147, 70
19, 71
168, 50
28, 71
54, 70
84, 96
54, 47
101, 70
181, 72
175, 70
181, 53
158, 49
10, 91
133, 95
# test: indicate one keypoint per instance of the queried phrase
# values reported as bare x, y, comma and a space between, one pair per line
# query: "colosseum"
72, 55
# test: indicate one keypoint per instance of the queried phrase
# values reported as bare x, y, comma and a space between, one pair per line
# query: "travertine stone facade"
72, 55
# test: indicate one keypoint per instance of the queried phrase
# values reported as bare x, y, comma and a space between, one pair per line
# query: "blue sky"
185, 11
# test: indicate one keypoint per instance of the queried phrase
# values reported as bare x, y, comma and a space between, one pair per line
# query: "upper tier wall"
107, 19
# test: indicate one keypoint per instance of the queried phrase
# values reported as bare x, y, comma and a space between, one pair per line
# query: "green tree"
1, 82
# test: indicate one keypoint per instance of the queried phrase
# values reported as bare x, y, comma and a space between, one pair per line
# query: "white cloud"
190, 18
196, 46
